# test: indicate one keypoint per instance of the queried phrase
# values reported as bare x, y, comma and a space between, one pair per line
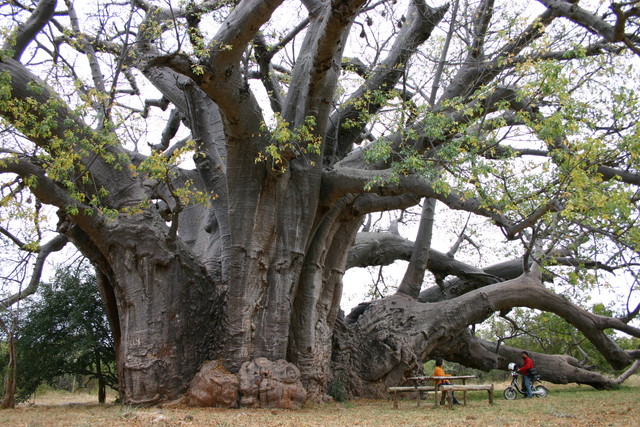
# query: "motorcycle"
512, 391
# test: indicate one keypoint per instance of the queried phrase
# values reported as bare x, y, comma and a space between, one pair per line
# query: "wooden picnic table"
421, 380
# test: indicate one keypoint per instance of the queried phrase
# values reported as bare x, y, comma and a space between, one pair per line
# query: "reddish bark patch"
213, 386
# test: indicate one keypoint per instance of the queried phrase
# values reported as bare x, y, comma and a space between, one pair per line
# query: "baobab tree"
216, 160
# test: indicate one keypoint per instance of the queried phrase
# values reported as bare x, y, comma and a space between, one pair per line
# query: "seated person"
439, 372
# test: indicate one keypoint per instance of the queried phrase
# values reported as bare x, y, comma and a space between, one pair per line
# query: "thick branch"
525, 292
29, 95
384, 248
269, 80
414, 275
368, 203
26, 32
483, 14
580, 16
421, 20
558, 369
340, 181
626, 176
317, 68
239, 28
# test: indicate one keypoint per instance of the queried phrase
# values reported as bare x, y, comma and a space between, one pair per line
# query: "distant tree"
65, 331
548, 333
8, 367
22, 257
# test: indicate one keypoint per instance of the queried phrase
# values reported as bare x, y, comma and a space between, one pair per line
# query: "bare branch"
473, 75
628, 373
312, 5
483, 14
54, 245
551, 206
288, 37
443, 55
461, 238
11, 237
96, 73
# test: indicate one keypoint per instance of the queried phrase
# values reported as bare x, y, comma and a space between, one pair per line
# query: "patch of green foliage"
65, 332
336, 389
287, 142
548, 333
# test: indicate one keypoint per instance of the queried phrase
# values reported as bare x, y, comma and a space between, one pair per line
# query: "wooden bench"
404, 389
465, 388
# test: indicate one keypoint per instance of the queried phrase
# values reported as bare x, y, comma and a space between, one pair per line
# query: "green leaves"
163, 169
65, 332
548, 333
379, 151
287, 143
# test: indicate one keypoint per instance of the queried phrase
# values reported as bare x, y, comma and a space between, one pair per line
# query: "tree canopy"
217, 162
65, 332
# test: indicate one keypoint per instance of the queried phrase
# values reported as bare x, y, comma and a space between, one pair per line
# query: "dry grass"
565, 406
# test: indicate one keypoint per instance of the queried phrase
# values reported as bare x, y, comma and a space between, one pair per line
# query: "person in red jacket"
524, 371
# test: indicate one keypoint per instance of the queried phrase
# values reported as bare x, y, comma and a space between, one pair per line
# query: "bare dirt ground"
565, 406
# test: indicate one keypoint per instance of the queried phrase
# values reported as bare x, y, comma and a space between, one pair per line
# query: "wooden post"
464, 393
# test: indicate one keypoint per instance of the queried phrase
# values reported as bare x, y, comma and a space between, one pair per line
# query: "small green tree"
545, 332
66, 331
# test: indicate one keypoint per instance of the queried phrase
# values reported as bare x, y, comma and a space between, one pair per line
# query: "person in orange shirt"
439, 372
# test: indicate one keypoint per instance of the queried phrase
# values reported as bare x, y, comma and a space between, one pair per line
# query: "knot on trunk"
268, 384
213, 386
260, 383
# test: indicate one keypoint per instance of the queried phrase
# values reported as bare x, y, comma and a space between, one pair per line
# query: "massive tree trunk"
223, 283
164, 309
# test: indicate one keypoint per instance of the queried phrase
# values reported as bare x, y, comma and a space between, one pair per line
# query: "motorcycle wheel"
540, 391
510, 393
